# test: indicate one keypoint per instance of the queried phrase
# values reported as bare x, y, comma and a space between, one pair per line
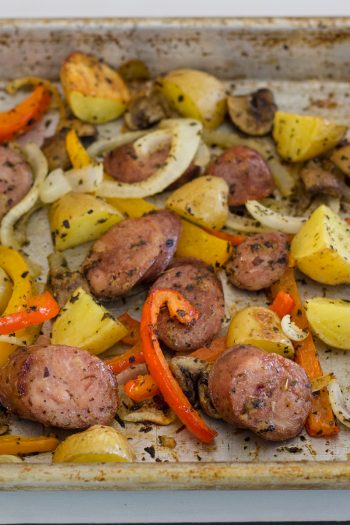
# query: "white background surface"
148, 507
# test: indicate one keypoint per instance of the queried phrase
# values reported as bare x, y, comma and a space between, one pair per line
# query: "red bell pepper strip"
133, 336
141, 388
40, 308
283, 304
19, 118
131, 357
211, 352
157, 365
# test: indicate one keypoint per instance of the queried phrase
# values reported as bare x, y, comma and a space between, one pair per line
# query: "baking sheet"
238, 459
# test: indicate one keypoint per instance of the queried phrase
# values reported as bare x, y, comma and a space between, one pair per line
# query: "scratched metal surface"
294, 91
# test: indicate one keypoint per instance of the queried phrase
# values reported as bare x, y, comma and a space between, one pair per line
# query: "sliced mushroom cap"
254, 113
145, 111
63, 281
204, 396
187, 370
318, 178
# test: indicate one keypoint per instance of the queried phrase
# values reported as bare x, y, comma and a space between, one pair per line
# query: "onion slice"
291, 330
274, 220
38, 163
321, 382
186, 134
59, 183
105, 145
147, 144
338, 404
243, 224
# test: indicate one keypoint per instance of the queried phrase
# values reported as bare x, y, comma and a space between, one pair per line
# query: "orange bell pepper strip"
211, 352
133, 336
234, 240
11, 444
18, 119
157, 365
141, 388
131, 357
320, 422
40, 308
282, 304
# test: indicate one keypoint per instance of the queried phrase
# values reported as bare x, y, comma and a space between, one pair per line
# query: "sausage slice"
259, 261
15, 179
264, 392
246, 173
132, 251
199, 285
58, 385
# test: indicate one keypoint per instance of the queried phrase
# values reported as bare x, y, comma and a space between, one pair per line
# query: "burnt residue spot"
46, 372
151, 451
24, 275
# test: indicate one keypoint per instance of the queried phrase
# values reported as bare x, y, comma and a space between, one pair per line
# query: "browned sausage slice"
259, 261
15, 179
246, 173
264, 392
199, 285
132, 251
59, 385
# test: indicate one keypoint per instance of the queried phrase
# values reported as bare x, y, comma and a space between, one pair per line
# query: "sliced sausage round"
58, 385
15, 179
259, 261
199, 285
132, 251
246, 173
264, 392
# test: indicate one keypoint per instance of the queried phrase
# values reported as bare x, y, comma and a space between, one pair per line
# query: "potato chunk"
329, 320
202, 201
302, 137
259, 326
195, 94
321, 248
77, 218
86, 324
94, 91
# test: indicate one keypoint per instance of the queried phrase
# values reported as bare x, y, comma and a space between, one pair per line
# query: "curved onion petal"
202, 157
291, 330
321, 382
339, 406
59, 183
38, 163
274, 220
243, 224
104, 145
184, 144
13, 340
152, 141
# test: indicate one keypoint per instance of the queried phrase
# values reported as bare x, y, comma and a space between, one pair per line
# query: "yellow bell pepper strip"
141, 388
77, 154
18, 119
131, 357
12, 444
17, 269
320, 422
157, 365
39, 309
132, 207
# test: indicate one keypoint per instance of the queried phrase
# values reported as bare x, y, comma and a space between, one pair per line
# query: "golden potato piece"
96, 444
321, 248
195, 94
202, 201
261, 327
341, 158
101, 330
302, 137
94, 91
329, 320
77, 218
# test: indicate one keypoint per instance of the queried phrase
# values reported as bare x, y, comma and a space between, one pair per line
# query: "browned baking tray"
303, 60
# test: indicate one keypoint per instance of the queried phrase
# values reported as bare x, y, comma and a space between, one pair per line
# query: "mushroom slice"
204, 396
253, 114
187, 370
62, 280
4, 421
318, 178
145, 111
153, 410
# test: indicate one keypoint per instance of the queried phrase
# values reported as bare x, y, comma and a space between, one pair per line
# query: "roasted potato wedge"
302, 137
329, 320
101, 330
261, 327
321, 248
202, 201
77, 218
341, 158
95, 92
195, 94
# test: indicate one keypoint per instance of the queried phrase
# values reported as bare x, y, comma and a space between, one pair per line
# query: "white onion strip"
274, 220
38, 163
186, 136
338, 404
243, 224
291, 330
13, 340
321, 382
147, 144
